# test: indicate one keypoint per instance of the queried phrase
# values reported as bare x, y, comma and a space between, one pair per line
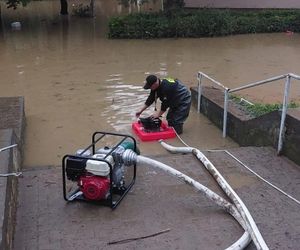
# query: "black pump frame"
110, 201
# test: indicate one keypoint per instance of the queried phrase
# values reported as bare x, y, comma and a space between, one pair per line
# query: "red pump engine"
94, 187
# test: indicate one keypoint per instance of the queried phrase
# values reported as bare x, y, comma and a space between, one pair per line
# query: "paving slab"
158, 202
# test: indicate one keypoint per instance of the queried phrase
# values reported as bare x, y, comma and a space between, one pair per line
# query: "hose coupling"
129, 157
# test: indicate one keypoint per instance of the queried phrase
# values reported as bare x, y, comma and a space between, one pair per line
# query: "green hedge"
203, 23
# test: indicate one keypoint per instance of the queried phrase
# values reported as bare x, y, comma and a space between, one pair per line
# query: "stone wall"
13, 114
10, 162
250, 131
291, 146
12, 126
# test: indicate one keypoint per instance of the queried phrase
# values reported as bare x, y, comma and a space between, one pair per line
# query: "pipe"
250, 85
226, 96
213, 80
11, 174
251, 226
257, 175
199, 93
241, 243
129, 158
283, 113
8, 147
189, 149
294, 76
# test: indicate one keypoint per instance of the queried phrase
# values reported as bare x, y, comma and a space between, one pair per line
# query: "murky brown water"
75, 81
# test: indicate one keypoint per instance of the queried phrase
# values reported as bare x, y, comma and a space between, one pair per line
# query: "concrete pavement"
158, 202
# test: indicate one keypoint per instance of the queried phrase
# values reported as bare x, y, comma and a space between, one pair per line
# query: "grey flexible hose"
129, 157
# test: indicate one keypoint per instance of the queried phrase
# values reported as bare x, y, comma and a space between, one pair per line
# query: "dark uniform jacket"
172, 93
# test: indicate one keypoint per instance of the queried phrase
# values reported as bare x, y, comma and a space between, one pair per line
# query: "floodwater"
76, 81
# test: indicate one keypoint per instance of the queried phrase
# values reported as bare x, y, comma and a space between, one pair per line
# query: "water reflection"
76, 81
122, 103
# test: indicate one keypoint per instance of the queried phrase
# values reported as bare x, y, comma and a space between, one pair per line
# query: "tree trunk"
64, 7
92, 4
1, 25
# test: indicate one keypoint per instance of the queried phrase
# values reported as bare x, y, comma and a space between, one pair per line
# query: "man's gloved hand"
137, 114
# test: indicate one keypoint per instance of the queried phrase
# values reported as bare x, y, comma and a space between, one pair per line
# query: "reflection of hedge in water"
81, 10
203, 23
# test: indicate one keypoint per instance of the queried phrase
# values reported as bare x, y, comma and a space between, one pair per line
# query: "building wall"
290, 4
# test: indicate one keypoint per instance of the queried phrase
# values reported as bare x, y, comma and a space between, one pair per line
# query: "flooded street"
76, 81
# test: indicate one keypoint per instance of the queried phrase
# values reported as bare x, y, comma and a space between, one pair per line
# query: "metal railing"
9, 174
226, 90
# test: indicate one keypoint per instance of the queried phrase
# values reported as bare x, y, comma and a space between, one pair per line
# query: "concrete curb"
10, 162
12, 127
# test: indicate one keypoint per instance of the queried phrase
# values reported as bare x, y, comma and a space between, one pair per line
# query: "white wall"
243, 3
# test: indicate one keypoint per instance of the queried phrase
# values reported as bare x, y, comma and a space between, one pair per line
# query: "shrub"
202, 23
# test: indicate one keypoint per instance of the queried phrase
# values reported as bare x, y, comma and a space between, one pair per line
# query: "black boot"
178, 128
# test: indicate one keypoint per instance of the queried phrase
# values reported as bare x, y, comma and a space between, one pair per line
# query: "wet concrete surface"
158, 202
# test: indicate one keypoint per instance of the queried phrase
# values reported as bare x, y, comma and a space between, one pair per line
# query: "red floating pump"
94, 187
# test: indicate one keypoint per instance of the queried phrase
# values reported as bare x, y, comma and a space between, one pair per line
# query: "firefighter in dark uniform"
173, 96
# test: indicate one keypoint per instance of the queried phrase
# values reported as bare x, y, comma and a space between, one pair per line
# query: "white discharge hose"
130, 157
251, 225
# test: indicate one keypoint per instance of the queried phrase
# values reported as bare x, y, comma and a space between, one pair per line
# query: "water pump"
97, 173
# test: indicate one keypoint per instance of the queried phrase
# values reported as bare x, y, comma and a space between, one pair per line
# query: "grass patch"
258, 109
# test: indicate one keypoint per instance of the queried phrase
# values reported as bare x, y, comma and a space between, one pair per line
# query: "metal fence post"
283, 113
226, 93
199, 77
